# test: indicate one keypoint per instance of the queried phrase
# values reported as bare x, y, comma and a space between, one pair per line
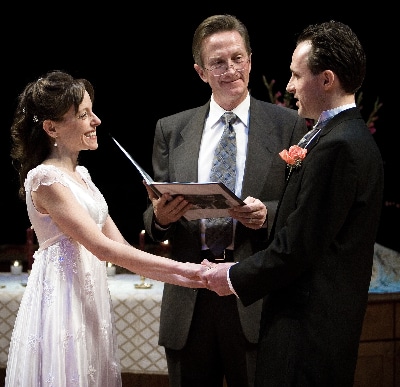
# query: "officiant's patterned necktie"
219, 231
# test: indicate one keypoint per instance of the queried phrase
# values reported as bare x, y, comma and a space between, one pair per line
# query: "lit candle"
165, 248
141, 239
111, 269
16, 267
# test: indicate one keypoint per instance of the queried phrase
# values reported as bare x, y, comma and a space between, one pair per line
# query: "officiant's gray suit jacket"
175, 158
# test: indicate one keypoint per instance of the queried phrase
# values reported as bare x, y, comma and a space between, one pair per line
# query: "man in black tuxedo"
314, 276
207, 337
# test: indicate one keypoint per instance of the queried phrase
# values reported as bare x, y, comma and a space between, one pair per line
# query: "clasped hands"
214, 276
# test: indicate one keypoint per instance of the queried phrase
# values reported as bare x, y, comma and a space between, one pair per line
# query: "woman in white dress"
64, 333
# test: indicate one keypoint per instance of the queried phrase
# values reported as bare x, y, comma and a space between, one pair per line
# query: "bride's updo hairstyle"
48, 98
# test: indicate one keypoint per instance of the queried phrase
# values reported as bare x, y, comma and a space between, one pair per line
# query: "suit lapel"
260, 144
187, 152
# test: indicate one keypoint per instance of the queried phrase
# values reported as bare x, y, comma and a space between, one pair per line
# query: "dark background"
141, 66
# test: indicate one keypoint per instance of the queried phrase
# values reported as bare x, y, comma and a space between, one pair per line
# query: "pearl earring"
55, 141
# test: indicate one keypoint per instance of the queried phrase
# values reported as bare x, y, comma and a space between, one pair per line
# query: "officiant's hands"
252, 215
167, 209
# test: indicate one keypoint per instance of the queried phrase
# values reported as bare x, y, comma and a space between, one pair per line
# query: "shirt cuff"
230, 283
159, 227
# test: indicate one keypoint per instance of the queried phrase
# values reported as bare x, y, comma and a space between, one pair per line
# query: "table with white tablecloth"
137, 320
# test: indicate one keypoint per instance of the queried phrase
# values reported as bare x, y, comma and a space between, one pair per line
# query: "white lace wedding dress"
64, 333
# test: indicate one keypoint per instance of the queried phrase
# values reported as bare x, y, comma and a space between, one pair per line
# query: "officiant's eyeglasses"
221, 68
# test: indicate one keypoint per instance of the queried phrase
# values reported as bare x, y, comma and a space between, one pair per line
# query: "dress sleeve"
43, 175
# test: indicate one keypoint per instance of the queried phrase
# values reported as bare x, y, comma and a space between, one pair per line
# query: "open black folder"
210, 200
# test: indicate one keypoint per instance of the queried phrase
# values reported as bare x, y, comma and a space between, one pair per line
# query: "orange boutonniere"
294, 156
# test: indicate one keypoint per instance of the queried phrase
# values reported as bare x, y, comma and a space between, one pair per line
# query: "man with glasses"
206, 337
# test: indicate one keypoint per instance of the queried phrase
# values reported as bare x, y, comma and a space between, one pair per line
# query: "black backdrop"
142, 69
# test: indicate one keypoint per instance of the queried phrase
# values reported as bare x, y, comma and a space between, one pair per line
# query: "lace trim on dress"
84, 172
63, 257
48, 175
